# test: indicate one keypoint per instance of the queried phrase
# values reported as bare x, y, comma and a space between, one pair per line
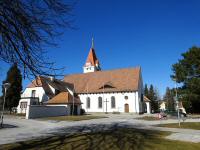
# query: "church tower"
92, 63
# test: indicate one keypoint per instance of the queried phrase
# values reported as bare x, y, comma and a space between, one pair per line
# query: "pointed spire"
92, 43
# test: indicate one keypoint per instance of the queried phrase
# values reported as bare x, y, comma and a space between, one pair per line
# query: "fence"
38, 111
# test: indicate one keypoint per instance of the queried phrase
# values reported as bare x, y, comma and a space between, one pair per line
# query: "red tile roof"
64, 98
113, 81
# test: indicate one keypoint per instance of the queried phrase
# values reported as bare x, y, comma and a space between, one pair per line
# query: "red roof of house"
64, 98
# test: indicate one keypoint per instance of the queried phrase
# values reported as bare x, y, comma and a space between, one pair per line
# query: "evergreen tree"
146, 90
169, 99
187, 72
153, 96
13, 94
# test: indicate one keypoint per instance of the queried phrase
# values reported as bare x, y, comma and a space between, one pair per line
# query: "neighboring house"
181, 108
119, 90
41, 90
162, 105
147, 105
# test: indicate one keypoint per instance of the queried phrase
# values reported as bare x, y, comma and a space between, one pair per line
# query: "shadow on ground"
5, 126
92, 137
103, 137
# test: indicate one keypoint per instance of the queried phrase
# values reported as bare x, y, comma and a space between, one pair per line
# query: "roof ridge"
137, 67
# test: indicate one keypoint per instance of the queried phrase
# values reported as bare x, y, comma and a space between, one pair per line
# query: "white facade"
121, 99
148, 107
27, 98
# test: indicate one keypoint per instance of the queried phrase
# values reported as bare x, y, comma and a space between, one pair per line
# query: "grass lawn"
115, 139
186, 125
148, 118
73, 118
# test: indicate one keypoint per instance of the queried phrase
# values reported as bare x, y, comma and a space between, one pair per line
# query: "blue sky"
127, 33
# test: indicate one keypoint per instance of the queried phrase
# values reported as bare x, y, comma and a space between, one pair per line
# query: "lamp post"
177, 102
5, 86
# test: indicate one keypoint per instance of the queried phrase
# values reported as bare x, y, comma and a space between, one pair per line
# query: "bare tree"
26, 27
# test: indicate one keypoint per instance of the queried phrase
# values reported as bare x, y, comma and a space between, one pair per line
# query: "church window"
87, 102
126, 97
100, 102
112, 102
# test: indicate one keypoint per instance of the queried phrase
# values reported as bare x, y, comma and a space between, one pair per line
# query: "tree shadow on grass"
91, 137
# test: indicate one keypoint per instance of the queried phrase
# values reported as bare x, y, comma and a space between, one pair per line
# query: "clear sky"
127, 33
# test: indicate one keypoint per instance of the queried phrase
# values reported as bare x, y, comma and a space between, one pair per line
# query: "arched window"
112, 102
100, 102
126, 97
87, 102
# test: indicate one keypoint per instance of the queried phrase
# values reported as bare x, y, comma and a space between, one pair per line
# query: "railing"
33, 100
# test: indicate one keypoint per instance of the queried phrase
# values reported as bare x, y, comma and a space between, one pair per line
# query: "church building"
94, 90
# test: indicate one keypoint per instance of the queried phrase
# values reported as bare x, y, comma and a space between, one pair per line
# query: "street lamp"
5, 86
176, 101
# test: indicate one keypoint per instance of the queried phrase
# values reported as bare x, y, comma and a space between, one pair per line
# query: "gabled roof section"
46, 82
64, 98
146, 99
121, 79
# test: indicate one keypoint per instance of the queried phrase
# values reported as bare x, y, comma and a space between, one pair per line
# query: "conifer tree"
169, 99
13, 94
146, 90
187, 72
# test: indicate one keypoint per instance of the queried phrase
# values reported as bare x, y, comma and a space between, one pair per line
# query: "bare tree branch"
26, 26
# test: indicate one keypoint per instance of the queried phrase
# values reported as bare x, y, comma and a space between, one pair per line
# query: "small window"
23, 105
126, 97
33, 93
112, 102
87, 102
100, 102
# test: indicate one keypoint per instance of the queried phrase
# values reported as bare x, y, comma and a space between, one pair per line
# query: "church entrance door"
126, 107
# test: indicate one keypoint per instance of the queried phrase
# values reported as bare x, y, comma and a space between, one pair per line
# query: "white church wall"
120, 101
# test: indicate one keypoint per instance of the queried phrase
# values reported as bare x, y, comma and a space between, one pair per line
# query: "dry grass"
148, 118
73, 118
115, 139
184, 125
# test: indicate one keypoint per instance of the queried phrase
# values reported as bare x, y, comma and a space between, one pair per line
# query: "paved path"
28, 129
